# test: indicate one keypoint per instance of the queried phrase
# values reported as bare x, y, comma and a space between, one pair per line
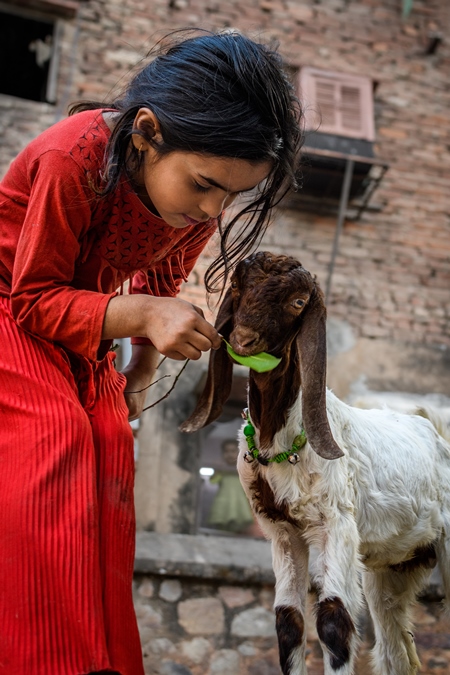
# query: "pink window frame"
307, 90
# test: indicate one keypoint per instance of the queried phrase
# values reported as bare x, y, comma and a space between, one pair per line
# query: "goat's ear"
312, 352
220, 372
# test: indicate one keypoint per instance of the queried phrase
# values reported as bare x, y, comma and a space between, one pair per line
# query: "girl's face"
185, 188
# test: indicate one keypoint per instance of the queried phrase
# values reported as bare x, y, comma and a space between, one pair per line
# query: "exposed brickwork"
393, 269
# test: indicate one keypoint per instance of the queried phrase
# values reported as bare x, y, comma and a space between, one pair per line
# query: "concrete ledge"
229, 559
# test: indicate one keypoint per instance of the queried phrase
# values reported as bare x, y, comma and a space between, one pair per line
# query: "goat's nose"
246, 337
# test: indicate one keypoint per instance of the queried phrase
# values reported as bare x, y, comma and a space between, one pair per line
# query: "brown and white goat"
379, 512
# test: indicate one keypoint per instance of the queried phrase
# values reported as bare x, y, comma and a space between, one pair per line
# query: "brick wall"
393, 267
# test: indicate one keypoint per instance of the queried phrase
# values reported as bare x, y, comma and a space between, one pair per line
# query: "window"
337, 103
28, 54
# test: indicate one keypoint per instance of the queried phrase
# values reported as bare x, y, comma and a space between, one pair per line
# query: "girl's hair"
222, 94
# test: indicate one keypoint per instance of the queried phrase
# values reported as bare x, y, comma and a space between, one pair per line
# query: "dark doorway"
26, 48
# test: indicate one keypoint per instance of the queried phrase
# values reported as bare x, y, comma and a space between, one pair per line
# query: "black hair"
222, 94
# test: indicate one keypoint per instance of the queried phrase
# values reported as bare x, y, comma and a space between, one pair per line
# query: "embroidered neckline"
253, 452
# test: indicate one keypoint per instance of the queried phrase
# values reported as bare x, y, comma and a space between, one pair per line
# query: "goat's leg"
390, 594
290, 556
290, 565
443, 558
340, 595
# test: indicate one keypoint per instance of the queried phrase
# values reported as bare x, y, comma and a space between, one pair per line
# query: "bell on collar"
293, 458
248, 457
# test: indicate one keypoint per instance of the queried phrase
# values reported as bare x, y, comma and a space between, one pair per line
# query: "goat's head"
273, 305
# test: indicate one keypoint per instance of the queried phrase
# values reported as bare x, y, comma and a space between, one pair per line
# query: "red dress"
67, 524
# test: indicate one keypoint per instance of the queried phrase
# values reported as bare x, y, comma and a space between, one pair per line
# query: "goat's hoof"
294, 458
248, 457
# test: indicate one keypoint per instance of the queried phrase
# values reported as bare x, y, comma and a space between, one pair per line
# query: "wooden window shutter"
337, 103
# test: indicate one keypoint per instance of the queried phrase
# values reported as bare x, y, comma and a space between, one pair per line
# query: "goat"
369, 492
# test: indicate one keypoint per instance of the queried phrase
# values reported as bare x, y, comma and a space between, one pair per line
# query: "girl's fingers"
201, 342
189, 348
180, 356
211, 335
207, 329
179, 330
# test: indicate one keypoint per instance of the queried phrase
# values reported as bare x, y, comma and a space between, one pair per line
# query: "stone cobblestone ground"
193, 628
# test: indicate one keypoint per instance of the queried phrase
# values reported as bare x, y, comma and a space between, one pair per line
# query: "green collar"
253, 452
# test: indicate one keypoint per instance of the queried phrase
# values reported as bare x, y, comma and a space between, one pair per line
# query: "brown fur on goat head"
273, 305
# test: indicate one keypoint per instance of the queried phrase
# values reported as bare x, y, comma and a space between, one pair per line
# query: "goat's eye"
298, 303
234, 285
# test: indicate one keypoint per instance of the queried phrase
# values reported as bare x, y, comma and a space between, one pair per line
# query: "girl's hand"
139, 374
177, 328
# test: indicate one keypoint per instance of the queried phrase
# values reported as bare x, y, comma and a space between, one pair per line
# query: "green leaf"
260, 362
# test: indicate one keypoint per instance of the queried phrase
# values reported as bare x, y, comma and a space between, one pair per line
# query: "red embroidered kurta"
66, 450
60, 245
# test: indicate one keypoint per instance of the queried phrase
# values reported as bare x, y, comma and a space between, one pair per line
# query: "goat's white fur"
370, 509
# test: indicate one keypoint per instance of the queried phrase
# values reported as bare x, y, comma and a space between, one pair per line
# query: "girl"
129, 190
